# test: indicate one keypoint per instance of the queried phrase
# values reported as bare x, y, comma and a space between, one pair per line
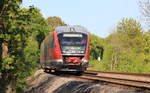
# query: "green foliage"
23, 33
7, 63
146, 47
96, 47
31, 21
127, 49
31, 56
30, 64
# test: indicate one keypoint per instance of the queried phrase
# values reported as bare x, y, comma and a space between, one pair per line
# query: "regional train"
66, 49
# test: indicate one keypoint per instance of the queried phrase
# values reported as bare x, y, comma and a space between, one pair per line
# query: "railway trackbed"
127, 79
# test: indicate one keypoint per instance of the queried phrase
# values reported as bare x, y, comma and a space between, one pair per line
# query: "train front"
74, 45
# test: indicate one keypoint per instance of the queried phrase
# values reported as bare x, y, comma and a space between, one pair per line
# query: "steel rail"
129, 82
127, 76
127, 79
124, 73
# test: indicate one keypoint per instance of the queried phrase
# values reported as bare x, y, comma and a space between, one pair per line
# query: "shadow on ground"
87, 87
61, 82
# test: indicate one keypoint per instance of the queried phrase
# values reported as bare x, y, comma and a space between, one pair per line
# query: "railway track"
127, 79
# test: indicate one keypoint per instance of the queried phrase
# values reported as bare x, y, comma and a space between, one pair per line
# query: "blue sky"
98, 16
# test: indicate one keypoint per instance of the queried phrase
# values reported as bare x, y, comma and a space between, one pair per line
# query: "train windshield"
75, 42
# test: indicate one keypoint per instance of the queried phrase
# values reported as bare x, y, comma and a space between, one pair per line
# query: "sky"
100, 17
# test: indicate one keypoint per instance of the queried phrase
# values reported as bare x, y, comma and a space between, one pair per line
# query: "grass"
96, 65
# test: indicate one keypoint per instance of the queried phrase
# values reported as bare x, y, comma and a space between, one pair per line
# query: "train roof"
61, 29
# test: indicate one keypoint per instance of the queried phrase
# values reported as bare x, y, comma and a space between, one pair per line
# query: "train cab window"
75, 42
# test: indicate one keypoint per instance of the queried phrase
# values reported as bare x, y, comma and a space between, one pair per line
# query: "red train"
66, 49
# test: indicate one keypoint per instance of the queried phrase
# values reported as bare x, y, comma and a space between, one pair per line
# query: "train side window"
48, 42
54, 44
51, 42
46, 47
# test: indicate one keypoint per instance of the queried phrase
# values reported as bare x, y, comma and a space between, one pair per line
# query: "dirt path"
43, 82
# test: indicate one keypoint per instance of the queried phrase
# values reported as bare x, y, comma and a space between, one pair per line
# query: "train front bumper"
66, 67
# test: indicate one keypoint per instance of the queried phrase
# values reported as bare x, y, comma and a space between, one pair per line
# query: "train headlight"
64, 51
84, 61
81, 51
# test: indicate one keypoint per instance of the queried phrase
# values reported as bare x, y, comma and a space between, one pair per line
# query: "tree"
131, 34
33, 22
54, 22
124, 48
96, 47
145, 10
8, 9
23, 29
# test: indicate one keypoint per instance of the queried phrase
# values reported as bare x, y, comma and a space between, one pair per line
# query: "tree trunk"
1, 49
10, 87
4, 50
6, 80
7, 83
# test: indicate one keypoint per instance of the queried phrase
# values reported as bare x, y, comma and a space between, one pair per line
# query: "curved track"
127, 79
